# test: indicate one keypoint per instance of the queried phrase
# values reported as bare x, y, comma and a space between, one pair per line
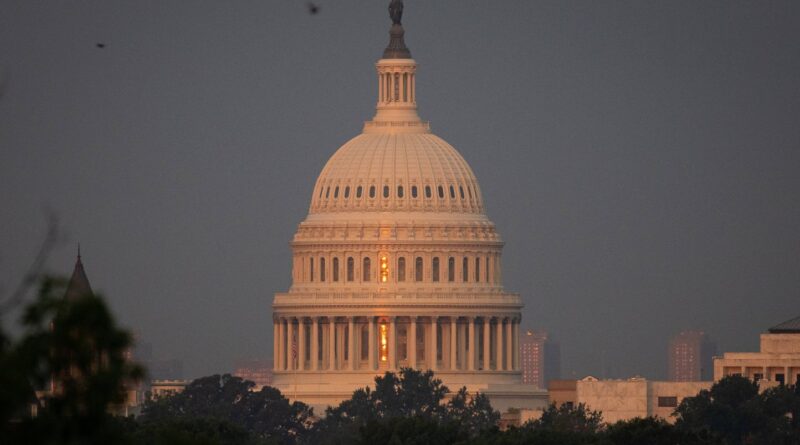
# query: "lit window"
384, 347
384, 268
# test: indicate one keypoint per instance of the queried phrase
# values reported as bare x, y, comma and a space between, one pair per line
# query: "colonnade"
372, 343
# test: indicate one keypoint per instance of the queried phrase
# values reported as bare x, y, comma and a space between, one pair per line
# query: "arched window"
350, 267
465, 269
469, 192
441, 192
327, 192
311, 269
427, 191
321, 191
452, 192
405, 87
347, 192
372, 191
336, 269
336, 192
399, 191
401, 269
385, 191
359, 189
365, 271
435, 270
322, 269
451, 269
396, 86
413, 191
461, 191
418, 269
486, 271
477, 270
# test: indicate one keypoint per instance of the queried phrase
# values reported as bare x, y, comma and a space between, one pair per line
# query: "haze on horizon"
640, 160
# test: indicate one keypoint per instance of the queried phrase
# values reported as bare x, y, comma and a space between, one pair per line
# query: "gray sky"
640, 159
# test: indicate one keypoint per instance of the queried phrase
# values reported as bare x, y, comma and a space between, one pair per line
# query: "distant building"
257, 371
625, 399
690, 357
778, 360
165, 388
540, 358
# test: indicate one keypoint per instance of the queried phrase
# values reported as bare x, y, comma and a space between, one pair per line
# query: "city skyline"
639, 161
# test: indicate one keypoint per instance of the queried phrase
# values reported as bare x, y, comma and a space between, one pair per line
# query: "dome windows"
427, 191
359, 190
372, 191
461, 191
441, 192
385, 191
347, 192
327, 192
399, 191
452, 192
336, 192
413, 191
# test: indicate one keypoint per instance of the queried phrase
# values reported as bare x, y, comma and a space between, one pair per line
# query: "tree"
266, 414
475, 415
568, 419
75, 347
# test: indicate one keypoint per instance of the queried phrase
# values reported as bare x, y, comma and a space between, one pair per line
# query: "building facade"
540, 358
256, 371
397, 264
778, 359
690, 357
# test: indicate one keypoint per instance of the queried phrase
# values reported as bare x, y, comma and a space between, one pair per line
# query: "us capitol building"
397, 264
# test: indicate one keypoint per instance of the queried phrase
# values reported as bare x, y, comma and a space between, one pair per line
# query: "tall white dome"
396, 263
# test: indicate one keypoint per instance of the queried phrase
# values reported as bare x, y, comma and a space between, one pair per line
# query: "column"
282, 345
498, 349
314, 343
392, 343
472, 348
331, 343
301, 344
453, 343
411, 345
275, 343
515, 344
509, 345
434, 340
371, 321
487, 345
351, 340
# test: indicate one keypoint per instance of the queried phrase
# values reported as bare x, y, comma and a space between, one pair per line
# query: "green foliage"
75, 346
568, 419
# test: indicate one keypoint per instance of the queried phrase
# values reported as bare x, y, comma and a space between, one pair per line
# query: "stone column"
314, 343
453, 343
433, 349
392, 343
301, 344
351, 340
411, 344
275, 344
472, 348
487, 345
515, 344
371, 321
509, 345
498, 346
332, 343
282, 345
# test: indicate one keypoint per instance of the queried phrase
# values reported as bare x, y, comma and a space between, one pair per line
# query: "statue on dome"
396, 11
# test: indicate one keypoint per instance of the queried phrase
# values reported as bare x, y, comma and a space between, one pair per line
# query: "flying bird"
312, 8
100, 45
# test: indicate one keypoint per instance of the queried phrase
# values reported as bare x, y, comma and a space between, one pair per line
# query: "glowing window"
384, 346
384, 268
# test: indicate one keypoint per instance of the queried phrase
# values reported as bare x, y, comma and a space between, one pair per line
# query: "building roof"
78, 284
787, 327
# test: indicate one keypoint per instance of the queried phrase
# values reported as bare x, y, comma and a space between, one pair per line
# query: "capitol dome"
386, 171
396, 264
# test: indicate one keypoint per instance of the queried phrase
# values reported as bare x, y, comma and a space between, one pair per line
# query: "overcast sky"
640, 159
